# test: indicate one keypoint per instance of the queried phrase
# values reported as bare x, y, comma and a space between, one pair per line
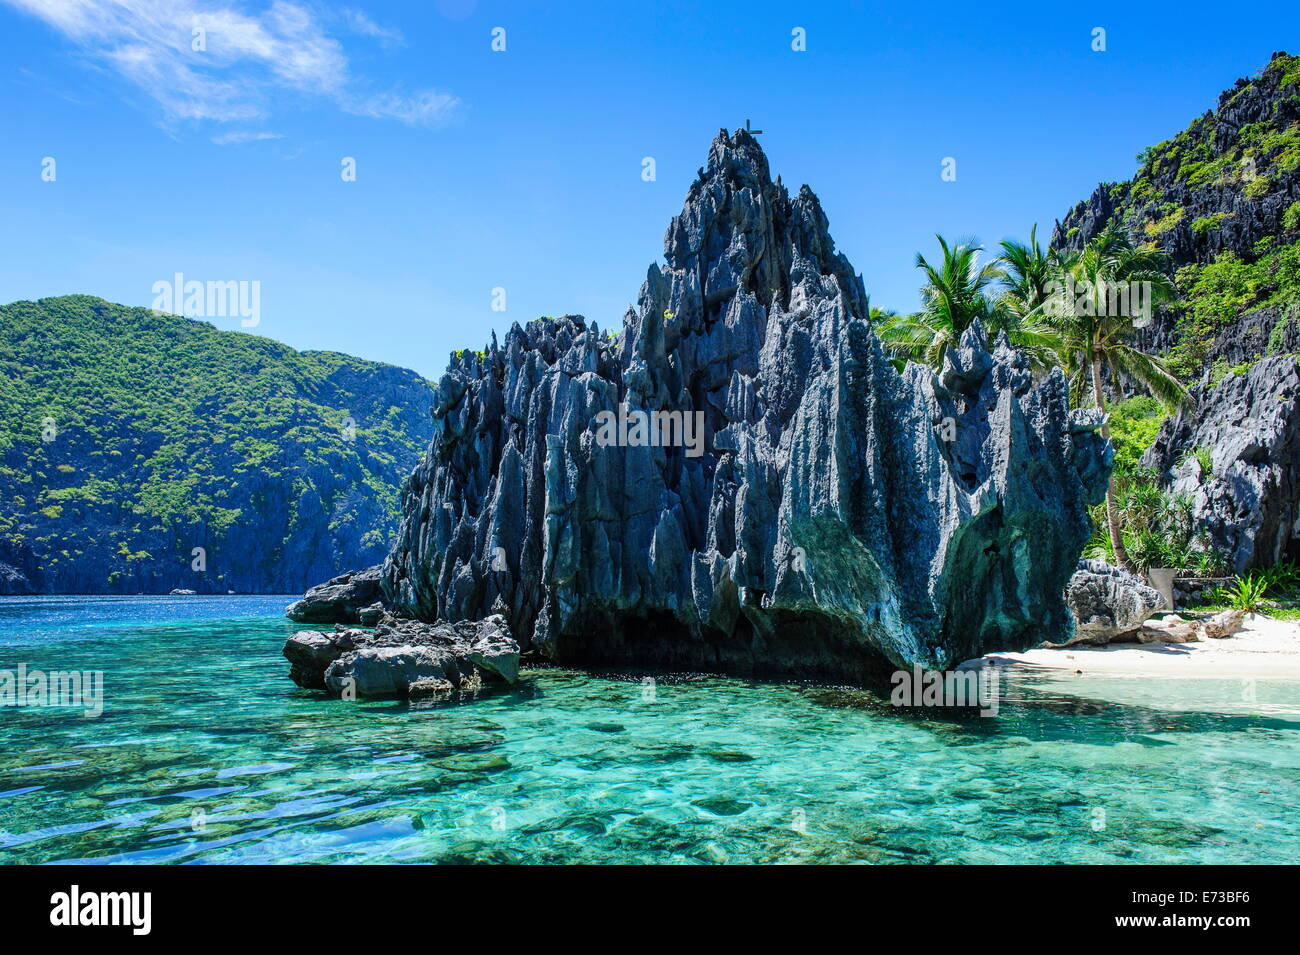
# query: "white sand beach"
1265, 649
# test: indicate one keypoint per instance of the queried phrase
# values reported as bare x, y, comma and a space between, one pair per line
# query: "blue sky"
522, 169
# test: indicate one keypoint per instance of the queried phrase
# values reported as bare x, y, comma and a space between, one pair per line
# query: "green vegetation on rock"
1134, 424
1215, 294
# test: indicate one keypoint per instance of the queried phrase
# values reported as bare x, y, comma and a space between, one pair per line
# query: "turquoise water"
205, 752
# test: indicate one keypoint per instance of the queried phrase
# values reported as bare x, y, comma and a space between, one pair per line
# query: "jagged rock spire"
816, 511
741, 232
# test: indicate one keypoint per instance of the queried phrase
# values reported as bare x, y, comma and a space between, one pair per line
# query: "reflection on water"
206, 752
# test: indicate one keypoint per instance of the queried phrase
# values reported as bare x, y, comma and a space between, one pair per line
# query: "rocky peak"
814, 512
741, 232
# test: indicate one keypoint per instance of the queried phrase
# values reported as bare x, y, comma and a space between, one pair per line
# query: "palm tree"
1091, 306
1027, 272
879, 316
953, 296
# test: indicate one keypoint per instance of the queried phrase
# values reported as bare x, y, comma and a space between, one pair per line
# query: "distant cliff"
143, 452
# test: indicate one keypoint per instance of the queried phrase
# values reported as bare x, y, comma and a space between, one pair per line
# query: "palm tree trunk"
1112, 512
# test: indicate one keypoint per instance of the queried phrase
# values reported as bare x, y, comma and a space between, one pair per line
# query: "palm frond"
1150, 372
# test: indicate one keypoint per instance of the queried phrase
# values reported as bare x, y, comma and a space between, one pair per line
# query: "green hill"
128, 439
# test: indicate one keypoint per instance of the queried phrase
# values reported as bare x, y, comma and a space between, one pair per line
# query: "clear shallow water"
206, 752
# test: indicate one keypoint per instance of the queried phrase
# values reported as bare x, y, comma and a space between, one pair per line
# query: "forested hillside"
142, 452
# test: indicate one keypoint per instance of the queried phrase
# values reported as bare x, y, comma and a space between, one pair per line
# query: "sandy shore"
1265, 649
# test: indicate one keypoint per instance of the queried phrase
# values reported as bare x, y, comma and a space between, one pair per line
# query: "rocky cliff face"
1222, 199
143, 452
1226, 190
1248, 428
1231, 161
816, 511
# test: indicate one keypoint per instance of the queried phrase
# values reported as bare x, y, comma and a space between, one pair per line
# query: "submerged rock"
1249, 426
347, 598
795, 505
404, 658
1108, 602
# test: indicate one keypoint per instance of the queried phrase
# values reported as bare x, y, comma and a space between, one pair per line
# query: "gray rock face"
19, 571
819, 513
1274, 330
347, 598
404, 658
1108, 602
1249, 501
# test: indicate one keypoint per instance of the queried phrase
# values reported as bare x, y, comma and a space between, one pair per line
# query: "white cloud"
361, 24
238, 137
419, 110
247, 58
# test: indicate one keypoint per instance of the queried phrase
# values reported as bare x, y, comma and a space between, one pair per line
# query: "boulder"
369, 616
740, 479
342, 599
1171, 629
1224, 624
310, 653
404, 658
1107, 602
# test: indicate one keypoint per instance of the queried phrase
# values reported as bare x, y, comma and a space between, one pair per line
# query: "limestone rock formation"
404, 658
776, 497
1108, 603
1249, 500
347, 598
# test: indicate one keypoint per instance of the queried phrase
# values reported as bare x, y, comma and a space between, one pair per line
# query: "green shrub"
1205, 459
1278, 333
1291, 218
1210, 223
1246, 593
1164, 224
1290, 67
1257, 187
1217, 293
1134, 424
1281, 577
1218, 372
1156, 526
